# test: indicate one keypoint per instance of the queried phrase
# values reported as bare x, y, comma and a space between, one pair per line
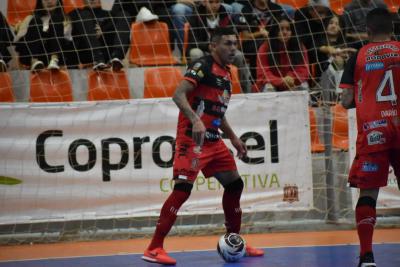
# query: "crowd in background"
281, 48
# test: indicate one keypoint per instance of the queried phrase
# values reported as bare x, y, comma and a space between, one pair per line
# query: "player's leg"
369, 172
365, 220
185, 174
155, 251
233, 187
223, 168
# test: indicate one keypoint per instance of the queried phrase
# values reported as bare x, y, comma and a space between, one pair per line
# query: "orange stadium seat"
340, 128
316, 145
236, 89
107, 85
338, 5
50, 86
6, 90
70, 5
161, 82
17, 10
294, 3
150, 44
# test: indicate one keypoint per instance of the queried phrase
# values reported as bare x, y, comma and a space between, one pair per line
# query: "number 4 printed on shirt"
392, 95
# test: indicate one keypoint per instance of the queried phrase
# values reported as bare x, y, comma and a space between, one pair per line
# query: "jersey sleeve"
196, 71
347, 80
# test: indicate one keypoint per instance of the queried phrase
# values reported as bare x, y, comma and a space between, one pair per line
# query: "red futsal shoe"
158, 255
253, 252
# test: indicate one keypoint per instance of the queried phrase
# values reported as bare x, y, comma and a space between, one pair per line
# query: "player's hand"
240, 147
198, 132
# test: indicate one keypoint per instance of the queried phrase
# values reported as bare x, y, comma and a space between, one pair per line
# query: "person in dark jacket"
101, 37
45, 40
211, 15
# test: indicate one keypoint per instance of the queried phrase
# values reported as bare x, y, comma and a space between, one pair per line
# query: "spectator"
332, 55
100, 36
6, 38
254, 23
309, 25
173, 12
282, 60
44, 37
355, 14
212, 14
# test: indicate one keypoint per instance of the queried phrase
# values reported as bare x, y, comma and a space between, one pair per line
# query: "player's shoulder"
201, 63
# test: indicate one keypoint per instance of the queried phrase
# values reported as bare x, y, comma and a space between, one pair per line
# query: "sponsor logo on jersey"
375, 48
375, 138
381, 57
369, 167
374, 124
389, 113
224, 98
374, 66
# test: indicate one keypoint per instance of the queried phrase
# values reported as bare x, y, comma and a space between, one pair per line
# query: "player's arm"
236, 142
348, 98
347, 83
180, 99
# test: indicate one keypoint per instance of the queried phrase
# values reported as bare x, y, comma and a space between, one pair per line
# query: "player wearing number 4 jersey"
371, 83
202, 98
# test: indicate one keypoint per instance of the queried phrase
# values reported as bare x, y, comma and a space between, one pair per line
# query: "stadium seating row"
18, 9
56, 86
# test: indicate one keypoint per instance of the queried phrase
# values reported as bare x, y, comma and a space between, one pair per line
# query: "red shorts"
370, 171
214, 157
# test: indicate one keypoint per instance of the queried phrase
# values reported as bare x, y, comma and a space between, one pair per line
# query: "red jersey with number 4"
374, 74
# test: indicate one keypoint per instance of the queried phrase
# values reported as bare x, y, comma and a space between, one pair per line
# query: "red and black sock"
231, 206
169, 212
365, 218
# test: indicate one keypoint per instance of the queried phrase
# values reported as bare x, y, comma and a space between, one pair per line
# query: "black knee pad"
366, 201
184, 187
235, 186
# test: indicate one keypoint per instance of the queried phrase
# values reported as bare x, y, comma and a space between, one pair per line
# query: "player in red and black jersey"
203, 98
371, 83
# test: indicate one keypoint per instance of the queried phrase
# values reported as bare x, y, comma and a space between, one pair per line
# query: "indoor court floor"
300, 249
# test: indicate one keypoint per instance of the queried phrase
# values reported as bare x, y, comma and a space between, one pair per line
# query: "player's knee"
184, 187
235, 186
366, 201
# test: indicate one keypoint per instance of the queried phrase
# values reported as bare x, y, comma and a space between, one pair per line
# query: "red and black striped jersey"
210, 97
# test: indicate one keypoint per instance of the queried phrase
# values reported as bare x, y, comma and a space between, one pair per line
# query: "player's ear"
212, 46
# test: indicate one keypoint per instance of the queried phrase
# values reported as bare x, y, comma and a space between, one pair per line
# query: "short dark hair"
379, 21
217, 33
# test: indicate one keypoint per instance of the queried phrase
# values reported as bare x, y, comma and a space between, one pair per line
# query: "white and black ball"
231, 247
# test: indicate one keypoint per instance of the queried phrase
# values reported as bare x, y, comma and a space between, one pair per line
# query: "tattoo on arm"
180, 99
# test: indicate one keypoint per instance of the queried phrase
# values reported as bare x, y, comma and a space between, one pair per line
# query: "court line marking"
185, 251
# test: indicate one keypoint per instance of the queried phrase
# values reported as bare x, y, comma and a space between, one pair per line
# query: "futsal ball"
231, 247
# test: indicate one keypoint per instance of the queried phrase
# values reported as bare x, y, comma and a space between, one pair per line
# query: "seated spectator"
44, 37
254, 24
173, 12
101, 37
332, 55
310, 28
6, 38
212, 14
282, 63
355, 14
